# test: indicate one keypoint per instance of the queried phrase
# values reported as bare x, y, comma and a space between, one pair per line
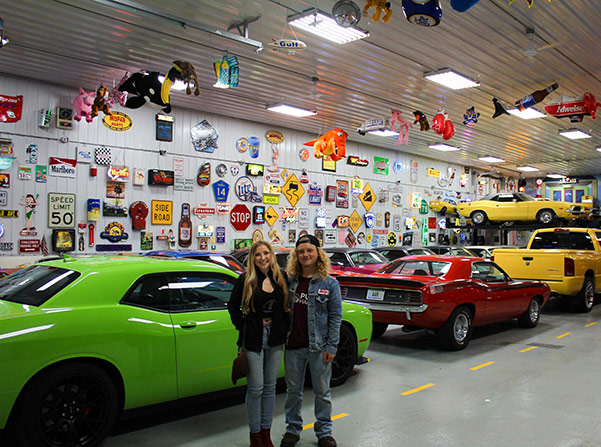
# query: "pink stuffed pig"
82, 104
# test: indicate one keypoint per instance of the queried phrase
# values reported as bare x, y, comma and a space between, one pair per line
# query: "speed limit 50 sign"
61, 210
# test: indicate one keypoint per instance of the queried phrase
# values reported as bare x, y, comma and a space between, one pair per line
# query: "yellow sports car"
447, 206
517, 206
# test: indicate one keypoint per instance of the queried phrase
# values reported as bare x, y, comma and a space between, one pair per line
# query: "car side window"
150, 292
195, 291
487, 272
339, 259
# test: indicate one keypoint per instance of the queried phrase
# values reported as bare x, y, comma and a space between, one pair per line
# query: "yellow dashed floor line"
529, 349
563, 335
484, 365
590, 324
419, 388
338, 416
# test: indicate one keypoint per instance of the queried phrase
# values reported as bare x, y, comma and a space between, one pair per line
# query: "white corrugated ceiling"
80, 43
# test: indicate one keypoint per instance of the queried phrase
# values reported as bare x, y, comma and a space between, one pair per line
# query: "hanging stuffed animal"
442, 125
422, 12
470, 116
146, 87
420, 117
115, 96
463, 5
101, 102
332, 143
379, 6
82, 104
402, 125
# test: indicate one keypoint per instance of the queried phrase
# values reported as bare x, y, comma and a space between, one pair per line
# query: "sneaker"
327, 441
290, 440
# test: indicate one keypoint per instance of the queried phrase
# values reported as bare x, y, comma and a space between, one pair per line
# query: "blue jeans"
295, 361
263, 368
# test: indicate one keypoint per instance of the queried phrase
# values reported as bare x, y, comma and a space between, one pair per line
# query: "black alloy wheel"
74, 404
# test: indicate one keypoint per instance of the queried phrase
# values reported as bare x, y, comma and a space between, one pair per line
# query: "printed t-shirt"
299, 337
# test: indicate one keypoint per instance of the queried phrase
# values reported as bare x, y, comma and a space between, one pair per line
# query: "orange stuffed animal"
100, 102
379, 6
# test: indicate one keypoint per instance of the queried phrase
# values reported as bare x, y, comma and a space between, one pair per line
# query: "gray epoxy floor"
548, 396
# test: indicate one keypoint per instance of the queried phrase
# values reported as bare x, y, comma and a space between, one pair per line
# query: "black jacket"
254, 323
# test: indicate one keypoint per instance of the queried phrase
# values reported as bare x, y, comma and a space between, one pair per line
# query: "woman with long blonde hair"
260, 311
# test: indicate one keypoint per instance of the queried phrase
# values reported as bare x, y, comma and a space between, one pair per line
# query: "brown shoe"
289, 440
266, 436
256, 440
327, 441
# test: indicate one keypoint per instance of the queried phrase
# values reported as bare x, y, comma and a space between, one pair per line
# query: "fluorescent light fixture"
450, 79
555, 175
491, 159
322, 24
598, 148
528, 168
443, 147
177, 85
291, 110
527, 114
574, 134
383, 133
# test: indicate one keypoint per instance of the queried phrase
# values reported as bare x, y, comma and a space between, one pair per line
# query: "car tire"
545, 217
378, 329
530, 318
346, 356
456, 333
69, 405
479, 217
586, 297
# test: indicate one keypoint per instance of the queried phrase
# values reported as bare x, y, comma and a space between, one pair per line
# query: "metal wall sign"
61, 210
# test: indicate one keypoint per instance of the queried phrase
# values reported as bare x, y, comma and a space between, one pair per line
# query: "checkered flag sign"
102, 155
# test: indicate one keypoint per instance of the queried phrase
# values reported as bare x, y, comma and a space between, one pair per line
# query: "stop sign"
240, 217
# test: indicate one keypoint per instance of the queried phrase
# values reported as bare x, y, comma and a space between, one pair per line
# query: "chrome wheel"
546, 217
534, 311
461, 327
478, 217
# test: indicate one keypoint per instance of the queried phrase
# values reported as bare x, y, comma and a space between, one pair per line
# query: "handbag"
240, 365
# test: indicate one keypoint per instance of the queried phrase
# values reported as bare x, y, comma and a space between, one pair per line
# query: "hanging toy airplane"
291, 46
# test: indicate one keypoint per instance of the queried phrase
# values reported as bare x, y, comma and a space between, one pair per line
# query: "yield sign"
240, 217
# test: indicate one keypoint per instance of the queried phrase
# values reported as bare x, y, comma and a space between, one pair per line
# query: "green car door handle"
187, 324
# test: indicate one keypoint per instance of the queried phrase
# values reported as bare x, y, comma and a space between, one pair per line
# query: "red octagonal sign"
240, 217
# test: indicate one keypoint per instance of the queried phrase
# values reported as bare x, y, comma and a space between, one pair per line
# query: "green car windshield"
35, 285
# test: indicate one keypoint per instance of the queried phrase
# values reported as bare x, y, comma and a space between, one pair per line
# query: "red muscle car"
447, 294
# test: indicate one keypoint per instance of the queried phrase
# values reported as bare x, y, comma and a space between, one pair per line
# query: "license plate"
374, 294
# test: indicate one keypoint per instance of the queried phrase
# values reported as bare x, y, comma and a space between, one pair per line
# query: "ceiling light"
555, 175
451, 79
528, 168
383, 133
527, 114
322, 24
291, 110
574, 134
443, 147
491, 159
598, 148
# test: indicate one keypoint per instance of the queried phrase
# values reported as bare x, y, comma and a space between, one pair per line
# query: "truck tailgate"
544, 265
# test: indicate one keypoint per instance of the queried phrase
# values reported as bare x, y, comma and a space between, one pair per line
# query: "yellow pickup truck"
567, 259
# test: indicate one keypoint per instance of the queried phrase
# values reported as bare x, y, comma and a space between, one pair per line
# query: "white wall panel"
139, 149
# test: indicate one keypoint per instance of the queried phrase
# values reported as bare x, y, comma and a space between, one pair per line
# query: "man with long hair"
316, 319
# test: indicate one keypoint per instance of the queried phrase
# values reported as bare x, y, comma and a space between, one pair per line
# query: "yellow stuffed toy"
379, 6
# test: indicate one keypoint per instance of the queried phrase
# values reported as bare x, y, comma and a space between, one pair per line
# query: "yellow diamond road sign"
293, 190
271, 216
356, 221
368, 198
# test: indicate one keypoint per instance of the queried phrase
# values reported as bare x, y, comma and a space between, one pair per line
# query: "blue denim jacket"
324, 313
